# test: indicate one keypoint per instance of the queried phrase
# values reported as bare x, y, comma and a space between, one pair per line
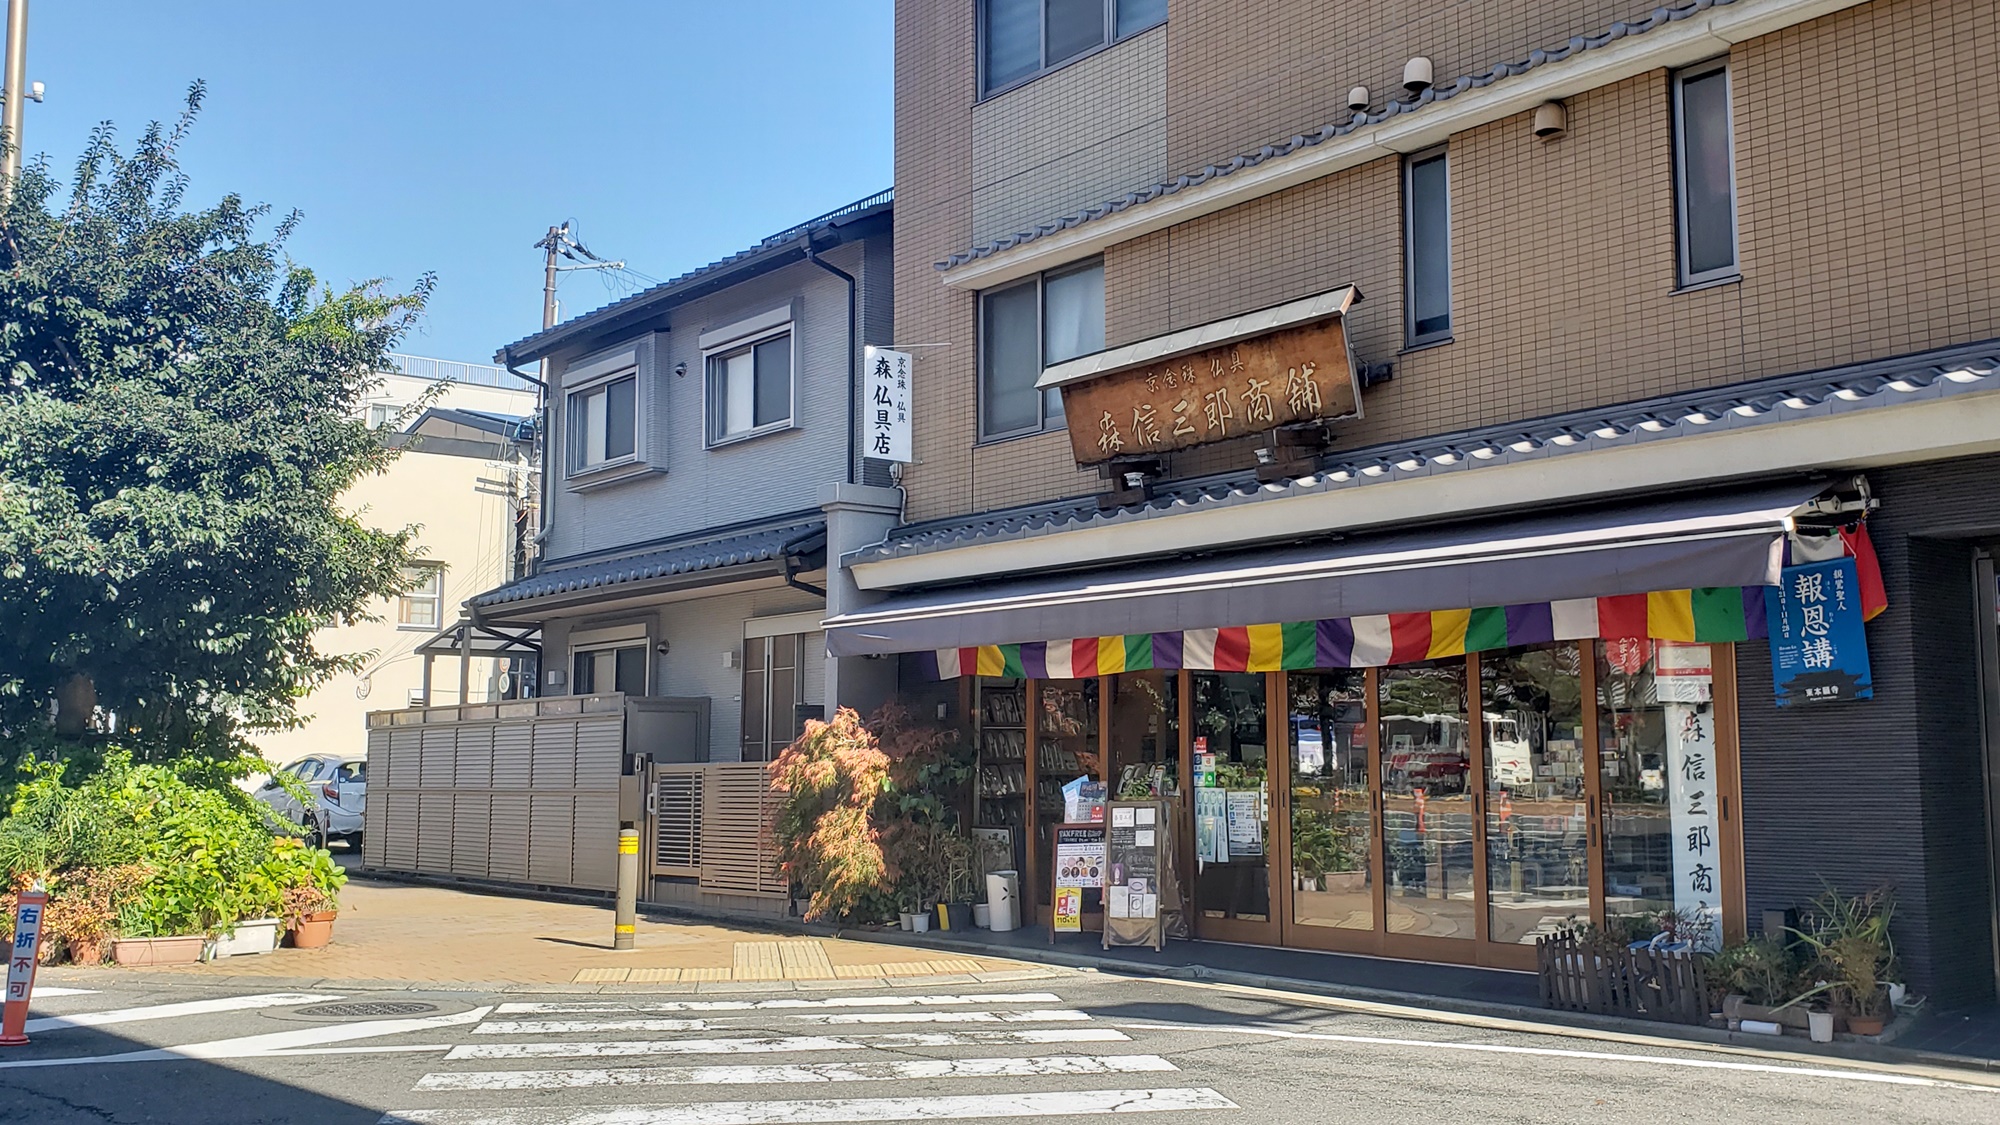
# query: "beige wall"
464, 518
1868, 226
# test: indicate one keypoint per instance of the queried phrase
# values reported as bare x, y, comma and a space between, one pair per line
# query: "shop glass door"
1428, 825
1331, 809
1537, 810
1229, 738
1066, 749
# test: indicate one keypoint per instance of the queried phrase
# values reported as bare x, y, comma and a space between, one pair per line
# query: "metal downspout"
853, 357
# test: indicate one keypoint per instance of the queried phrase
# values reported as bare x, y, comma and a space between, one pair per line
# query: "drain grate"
367, 1009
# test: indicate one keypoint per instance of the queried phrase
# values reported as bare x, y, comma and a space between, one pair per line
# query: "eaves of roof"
1945, 373
1280, 150
779, 249
683, 556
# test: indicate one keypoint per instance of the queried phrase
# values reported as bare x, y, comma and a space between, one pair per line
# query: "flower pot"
312, 931
1897, 994
982, 915
908, 920
957, 916
257, 935
1866, 1025
139, 952
1820, 1026
921, 923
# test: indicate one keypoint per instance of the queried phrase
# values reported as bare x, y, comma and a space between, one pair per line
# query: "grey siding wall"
697, 634
765, 476
1088, 132
1891, 790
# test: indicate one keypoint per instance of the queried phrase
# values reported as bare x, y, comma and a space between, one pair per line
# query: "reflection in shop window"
1427, 828
1537, 832
1232, 806
1332, 829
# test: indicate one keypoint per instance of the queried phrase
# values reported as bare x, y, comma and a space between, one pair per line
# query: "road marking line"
174, 1011
1038, 1015
59, 990
785, 1043
1068, 1103
604, 1007
277, 1044
798, 1072
586, 1027
1556, 1052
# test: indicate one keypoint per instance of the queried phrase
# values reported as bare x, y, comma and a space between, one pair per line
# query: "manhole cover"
366, 1009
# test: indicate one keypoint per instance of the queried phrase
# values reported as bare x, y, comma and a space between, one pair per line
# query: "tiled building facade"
1211, 160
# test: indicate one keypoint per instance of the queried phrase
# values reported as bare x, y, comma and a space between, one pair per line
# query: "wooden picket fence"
1642, 983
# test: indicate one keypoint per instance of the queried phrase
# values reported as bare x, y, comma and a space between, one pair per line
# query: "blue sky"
448, 135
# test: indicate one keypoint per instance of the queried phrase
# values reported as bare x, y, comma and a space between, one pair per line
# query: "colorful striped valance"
1709, 615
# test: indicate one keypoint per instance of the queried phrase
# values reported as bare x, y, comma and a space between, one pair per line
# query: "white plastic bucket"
1000, 891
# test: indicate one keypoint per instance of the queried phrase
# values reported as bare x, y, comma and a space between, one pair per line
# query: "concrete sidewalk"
402, 934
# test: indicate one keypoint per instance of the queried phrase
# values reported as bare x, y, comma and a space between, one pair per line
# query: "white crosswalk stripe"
784, 1112
796, 1072
630, 1032
786, 1043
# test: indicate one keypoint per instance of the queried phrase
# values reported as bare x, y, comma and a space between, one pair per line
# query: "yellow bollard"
626, 925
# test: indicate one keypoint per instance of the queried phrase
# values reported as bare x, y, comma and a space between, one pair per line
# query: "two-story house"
703, 458
1450, 452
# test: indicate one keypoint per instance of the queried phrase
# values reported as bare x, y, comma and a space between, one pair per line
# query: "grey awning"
1712, 539
689, 561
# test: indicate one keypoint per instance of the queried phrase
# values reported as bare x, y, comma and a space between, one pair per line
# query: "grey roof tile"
1441, 92
688, 554
1969, 368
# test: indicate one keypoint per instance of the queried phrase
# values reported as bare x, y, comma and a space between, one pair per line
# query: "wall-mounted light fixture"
1357, 99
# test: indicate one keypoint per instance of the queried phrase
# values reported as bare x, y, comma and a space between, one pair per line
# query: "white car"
339, 786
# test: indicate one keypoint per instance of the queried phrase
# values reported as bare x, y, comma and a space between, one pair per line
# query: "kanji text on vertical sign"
1819, 650
885, 410
21, 955
1697, 829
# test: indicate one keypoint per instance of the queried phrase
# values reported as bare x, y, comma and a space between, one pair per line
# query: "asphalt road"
1073, 1048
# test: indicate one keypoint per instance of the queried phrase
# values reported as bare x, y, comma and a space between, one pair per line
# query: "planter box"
1797, 1017
140, 952
258, 935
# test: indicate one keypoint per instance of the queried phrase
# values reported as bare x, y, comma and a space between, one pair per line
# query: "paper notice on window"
1245, 826
1143, 838
1145, 906
1118, 902
1145, 815
1122, 818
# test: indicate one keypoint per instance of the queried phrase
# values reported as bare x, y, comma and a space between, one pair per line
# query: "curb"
1412, 1005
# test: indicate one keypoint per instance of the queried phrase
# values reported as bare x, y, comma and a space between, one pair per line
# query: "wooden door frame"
1237, 930
1340, 939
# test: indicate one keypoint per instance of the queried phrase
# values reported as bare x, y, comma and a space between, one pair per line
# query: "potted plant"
1761, 980
309, 915
1855, 957
955, 858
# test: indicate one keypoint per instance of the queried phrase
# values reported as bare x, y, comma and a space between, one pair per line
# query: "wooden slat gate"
1642, 983
739, 853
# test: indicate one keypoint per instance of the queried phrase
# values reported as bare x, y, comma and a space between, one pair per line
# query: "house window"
1427, 248
380, 414
1704, 174
772, 692
603, 426
620, 668
423, 603
750, 388
1022, 38
1023, 328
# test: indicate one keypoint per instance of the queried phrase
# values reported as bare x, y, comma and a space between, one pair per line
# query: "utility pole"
552, 247
17, 94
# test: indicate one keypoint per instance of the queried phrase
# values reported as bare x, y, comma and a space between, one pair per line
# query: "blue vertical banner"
1819, 650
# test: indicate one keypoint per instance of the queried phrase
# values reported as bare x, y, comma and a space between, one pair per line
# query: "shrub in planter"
1855, 958
827, 841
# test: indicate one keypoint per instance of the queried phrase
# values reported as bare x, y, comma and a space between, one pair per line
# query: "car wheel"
315, 836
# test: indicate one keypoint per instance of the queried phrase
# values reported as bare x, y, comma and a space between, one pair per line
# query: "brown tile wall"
1865, 143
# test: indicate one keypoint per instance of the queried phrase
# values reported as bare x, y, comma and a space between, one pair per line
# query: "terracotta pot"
312, 931
136, 952
1866, 1025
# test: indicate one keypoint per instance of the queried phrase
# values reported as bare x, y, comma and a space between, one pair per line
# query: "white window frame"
1686, 278
1110, 38
1411, 337
1050, 420
590, 374
404, 601
722, 350
611, 638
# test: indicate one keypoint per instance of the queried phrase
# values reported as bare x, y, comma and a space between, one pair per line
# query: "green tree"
179, 417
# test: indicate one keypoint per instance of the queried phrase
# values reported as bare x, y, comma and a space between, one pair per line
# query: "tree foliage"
179, 416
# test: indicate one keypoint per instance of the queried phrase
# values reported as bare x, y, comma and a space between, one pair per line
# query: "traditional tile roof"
1944, 373
690, 554
1444, 91
529, 347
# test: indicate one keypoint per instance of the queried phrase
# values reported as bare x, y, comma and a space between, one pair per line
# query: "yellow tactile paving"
758, 960
654, 976
804, 960
600, 976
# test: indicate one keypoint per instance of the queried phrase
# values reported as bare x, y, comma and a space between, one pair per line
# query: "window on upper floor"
1025, 327
1022, 38
750, 387
422, 605
609, 668
1426, 248
381, 414
603, 424
1704, 174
